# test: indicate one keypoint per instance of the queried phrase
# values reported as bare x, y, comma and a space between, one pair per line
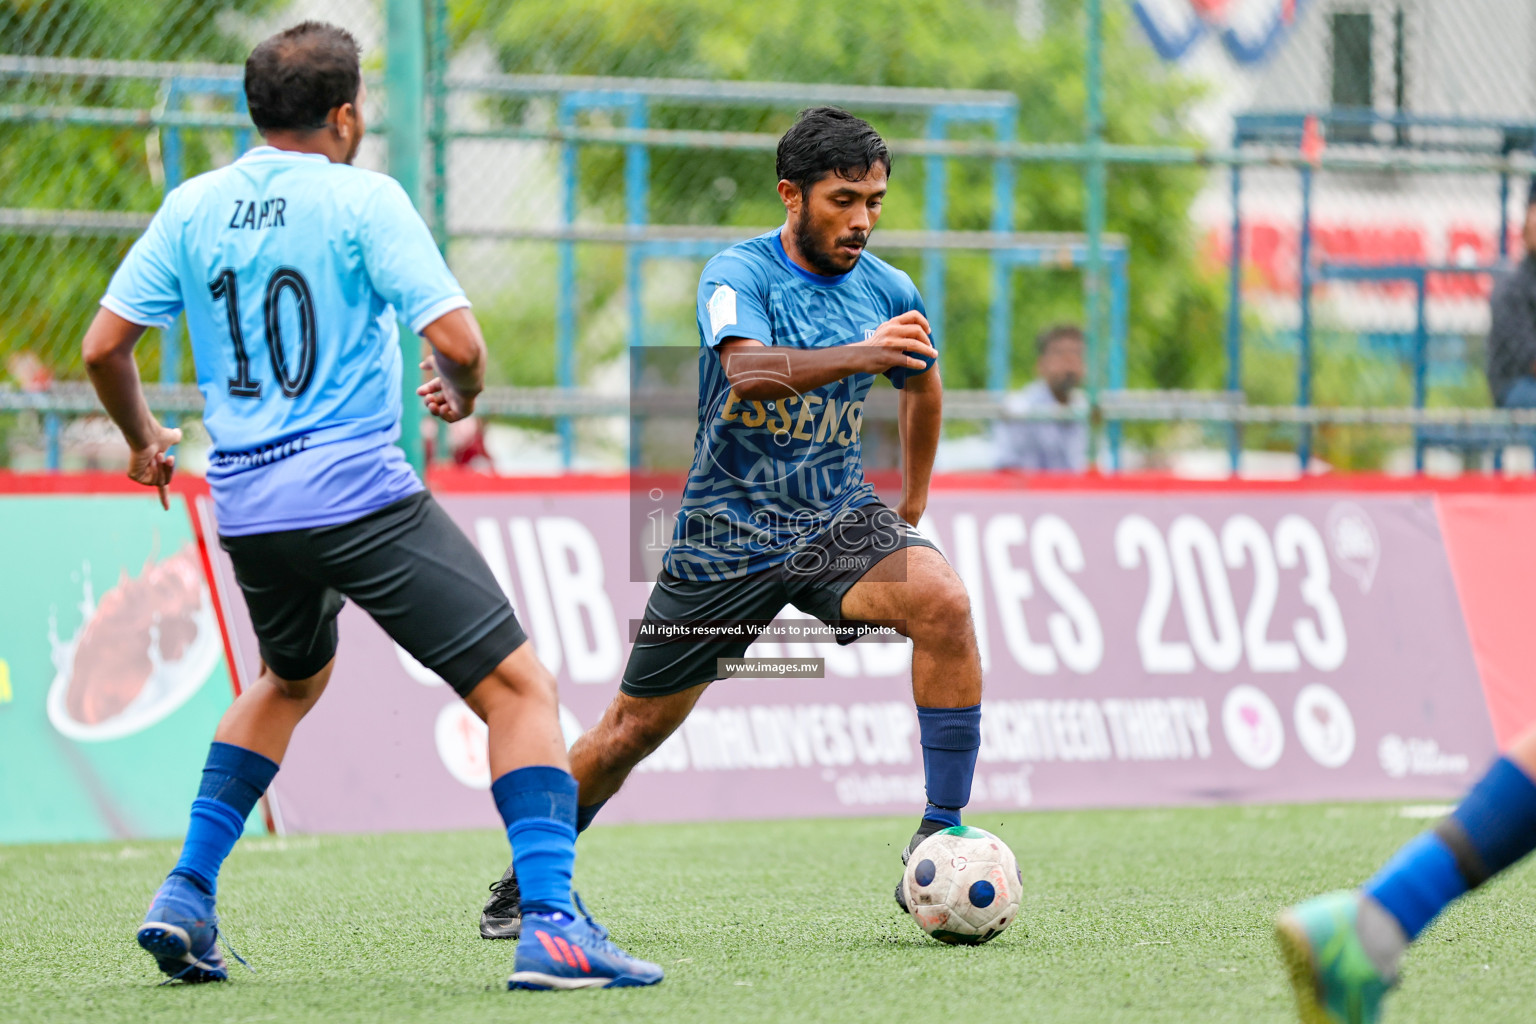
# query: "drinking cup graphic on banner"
1252, 726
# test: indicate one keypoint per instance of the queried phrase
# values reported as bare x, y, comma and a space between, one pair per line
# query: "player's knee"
524, 679
306, 690
945, 614
299, 690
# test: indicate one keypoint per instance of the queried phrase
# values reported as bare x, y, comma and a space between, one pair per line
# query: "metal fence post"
565, 309
438, 83
1420, 361
1119, 319
1304, 355
53, 429
404, 85
935, 202
1235, 314
437, 131
637, 183
1094, 215
1503, 215
1000, 320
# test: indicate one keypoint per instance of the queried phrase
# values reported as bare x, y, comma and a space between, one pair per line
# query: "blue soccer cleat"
181, 932
559, 951
1334, 978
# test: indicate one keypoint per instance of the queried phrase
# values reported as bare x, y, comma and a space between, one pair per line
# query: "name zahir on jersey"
268, 213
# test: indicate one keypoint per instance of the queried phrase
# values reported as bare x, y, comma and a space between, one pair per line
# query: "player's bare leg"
1342, 949
263, 717
520, 706
630, 729
915, 590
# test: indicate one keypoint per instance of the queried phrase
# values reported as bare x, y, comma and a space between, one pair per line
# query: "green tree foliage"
972, 44
53, 281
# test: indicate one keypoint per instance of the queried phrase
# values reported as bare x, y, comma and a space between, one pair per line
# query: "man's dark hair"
1059, 332
295, 78
827, 140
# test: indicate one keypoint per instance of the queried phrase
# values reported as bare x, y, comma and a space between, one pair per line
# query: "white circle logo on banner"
1253, 728
463, 742
1324, 725
462, 745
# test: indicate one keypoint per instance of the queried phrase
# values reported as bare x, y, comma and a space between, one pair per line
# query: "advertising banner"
1139, 649
112, 669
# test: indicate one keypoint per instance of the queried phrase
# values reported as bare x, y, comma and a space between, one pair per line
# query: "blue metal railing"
1417, 274
1408, 132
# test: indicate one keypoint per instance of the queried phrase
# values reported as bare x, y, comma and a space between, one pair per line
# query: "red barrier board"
1492, 550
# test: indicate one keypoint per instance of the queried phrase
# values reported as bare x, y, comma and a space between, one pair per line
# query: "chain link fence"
584, 157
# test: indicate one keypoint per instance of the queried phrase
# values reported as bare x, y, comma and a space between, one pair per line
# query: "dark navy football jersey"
768, 477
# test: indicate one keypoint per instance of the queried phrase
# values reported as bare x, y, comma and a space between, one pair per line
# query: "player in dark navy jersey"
794, 327
769, 473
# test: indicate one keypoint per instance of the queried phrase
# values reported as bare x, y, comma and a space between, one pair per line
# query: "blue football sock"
950, 738
1498, 819
233, 780
1494, 827
1417, 883
584, 815
538, 804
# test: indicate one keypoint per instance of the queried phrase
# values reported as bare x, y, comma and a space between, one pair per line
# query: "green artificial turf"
1128, 916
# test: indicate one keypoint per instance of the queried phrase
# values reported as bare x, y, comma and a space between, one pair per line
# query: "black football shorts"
407, 565
813, 579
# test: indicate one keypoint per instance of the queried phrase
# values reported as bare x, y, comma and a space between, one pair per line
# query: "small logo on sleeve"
722, 308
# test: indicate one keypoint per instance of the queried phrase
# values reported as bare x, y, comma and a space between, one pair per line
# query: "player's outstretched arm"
457, 363
760, 372
108, 351
920, 416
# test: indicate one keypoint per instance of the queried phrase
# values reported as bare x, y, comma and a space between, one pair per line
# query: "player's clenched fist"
442, 399
901, 341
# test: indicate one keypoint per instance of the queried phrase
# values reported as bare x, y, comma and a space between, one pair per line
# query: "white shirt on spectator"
1059, 446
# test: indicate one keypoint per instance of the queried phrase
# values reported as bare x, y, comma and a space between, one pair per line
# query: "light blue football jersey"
292, 271
768, 477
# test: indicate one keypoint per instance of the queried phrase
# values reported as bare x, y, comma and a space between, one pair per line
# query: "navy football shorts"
814, 580
407, 565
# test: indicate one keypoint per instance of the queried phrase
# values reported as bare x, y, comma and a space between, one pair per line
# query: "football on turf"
962, 886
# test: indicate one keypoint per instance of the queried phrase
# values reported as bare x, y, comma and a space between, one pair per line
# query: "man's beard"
817, 257
1064, 384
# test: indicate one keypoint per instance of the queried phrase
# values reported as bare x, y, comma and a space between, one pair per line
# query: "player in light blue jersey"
292, 267
794, 326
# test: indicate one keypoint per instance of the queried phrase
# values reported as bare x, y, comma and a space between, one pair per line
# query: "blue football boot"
1335, 981
560, 951
181, 932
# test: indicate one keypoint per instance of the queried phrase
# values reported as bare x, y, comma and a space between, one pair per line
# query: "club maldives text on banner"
1139, 649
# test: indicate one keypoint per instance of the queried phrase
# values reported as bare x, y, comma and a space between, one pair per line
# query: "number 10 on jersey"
293, 376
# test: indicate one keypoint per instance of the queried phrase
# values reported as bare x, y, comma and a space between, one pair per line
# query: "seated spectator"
1512, 326
1059, 446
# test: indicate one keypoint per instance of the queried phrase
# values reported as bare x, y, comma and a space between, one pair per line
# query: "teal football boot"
1334, 978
